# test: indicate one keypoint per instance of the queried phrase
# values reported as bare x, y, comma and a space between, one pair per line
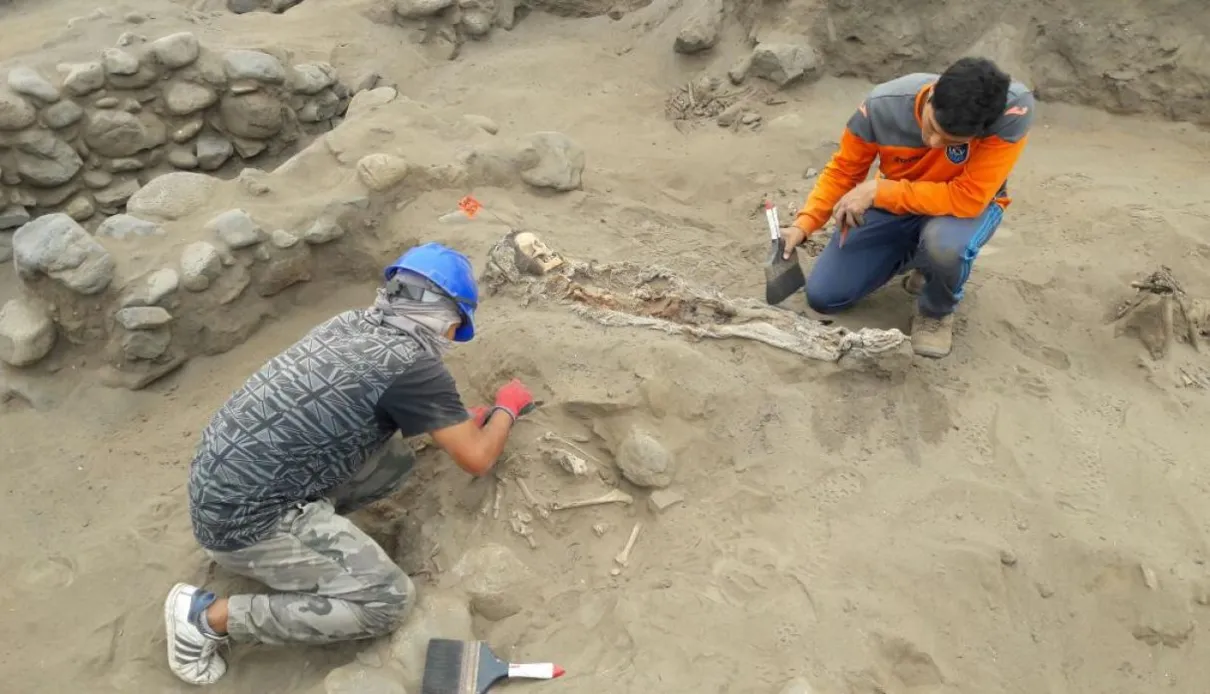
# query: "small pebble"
1149, 578
1045, 591
1007, 557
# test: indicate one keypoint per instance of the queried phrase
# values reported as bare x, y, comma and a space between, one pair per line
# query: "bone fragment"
613, 496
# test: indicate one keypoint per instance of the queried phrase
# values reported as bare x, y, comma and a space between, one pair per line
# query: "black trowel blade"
783, 276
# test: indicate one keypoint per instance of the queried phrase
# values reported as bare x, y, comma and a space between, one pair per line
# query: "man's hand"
515, 399
850, 210
792, 237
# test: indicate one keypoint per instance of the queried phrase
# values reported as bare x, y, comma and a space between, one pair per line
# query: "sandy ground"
1028, 515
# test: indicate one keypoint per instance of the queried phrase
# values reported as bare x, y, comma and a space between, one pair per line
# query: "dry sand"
1029, 515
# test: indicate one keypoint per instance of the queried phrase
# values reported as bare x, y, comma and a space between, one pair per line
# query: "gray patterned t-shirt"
306, 422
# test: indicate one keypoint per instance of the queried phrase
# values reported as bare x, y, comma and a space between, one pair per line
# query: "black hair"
970, 95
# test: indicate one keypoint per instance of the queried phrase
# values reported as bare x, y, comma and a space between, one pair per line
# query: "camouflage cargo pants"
336, 583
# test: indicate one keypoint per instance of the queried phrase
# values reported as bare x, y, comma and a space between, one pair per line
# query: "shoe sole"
931, 355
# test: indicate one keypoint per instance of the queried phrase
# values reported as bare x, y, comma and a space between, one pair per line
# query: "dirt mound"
1114, 54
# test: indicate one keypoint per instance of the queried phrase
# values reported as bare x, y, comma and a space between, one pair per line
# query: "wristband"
512, 417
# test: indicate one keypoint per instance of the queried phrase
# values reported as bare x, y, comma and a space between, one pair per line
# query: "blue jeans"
943, 248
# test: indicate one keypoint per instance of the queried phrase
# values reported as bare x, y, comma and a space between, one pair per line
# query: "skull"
534, 256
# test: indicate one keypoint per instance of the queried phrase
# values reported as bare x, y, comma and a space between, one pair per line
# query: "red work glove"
515, 399
479, 414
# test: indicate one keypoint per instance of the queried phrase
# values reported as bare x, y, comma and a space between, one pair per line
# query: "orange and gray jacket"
961, 180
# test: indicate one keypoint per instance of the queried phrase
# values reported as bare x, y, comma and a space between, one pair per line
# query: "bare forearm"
495, 435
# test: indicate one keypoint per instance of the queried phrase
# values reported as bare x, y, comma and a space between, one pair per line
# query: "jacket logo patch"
957, 154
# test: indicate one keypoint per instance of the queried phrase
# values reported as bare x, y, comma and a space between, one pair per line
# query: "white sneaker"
192, 654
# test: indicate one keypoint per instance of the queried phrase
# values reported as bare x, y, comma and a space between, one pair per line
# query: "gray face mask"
427, 318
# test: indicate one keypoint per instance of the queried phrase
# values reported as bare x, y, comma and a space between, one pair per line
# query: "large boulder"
700, 32
551, 160
56, 246
644, 461
784, 63
44, 160
172, 196
26, 333
117, 134
257, 116
15, 112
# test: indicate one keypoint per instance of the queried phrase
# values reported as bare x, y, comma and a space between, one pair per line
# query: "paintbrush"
470, 667
783, 276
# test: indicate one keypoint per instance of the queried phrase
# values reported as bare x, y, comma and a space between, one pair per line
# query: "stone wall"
195, 263
83, 143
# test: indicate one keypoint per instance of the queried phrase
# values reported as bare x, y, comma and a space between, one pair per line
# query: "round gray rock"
323, 230
213, 150
155, 288
236, 229
117, 193
182, 158
145, 344
27, 81
176, 50
27, 334
84, 78
200, 263
312, 78
117, 134
80, 208
184, 98
283, 239
15, 112
62, 114
122, 226
44, 160
119, 62
256, 116
56, 246
783, 63
253, 65
552, 160
172, 196
12, 217
143, 317
644, 461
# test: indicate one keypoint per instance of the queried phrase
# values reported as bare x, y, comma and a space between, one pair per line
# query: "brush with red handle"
470, 667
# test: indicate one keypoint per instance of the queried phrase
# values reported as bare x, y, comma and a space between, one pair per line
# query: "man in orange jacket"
946, 145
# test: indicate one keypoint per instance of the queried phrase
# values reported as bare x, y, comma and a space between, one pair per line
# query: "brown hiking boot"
913, 282
932, 337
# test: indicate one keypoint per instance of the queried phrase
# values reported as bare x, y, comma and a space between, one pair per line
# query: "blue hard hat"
451, 272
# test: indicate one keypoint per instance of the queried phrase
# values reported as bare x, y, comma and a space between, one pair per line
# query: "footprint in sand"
48, 573
836, 485
906, 664
1029, 346
1033, 384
